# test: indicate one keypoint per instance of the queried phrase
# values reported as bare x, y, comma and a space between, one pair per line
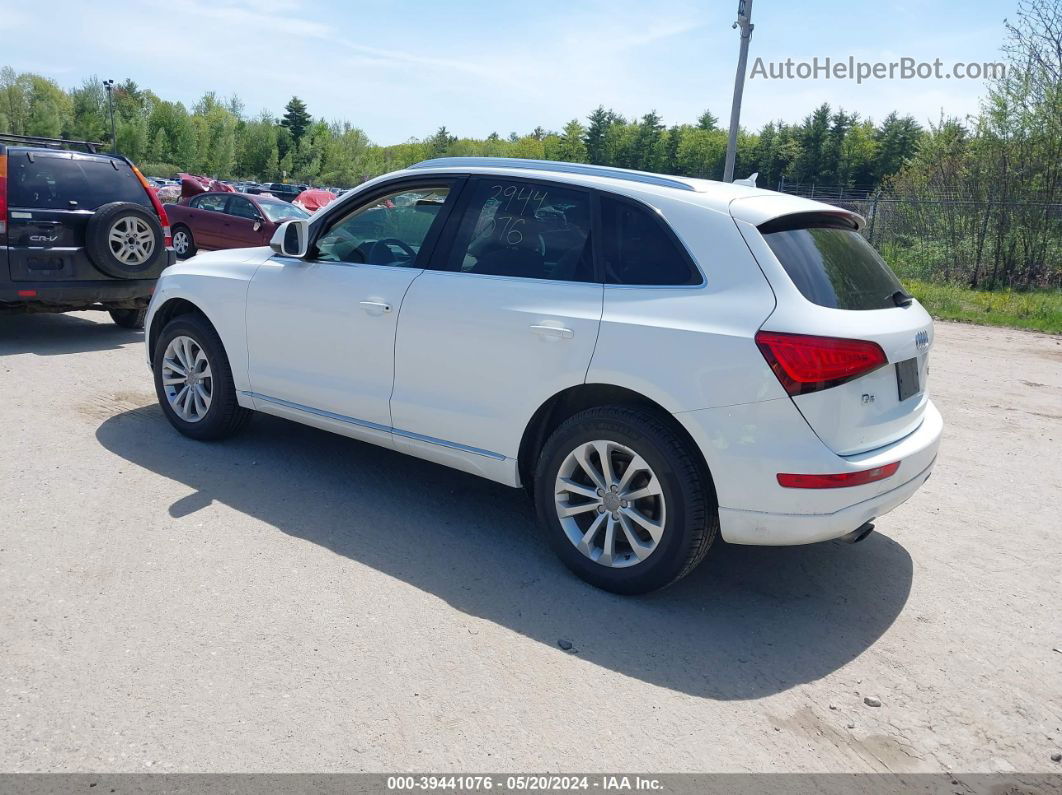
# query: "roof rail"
52, 143
553, 165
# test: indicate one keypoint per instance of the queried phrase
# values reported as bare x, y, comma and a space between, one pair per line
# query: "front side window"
210, 201
636, 249
389, 230
525, 230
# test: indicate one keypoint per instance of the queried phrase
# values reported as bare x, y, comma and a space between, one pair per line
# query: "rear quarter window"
832, 265
52, 180
637, 249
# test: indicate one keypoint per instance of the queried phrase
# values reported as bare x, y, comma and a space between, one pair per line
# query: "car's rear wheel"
624, 499
183, 242
193, 380
129, 318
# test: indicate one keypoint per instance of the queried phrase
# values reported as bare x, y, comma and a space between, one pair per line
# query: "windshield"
276, 210
835, 267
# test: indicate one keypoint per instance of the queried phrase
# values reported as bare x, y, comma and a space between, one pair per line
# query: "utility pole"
743, 22
109, 85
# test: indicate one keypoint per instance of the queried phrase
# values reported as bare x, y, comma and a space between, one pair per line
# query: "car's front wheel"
193, 380
624, 499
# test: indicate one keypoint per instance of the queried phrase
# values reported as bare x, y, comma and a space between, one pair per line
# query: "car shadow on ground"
55, 335
750, 622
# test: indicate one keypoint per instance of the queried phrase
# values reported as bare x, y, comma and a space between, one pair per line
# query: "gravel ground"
295, 601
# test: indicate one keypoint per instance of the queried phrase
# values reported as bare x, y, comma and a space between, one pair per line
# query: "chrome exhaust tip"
858, 534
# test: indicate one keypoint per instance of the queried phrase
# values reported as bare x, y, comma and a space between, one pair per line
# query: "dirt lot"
292, 600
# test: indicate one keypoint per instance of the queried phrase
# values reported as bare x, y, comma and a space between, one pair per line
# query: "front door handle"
375, 307
553, 331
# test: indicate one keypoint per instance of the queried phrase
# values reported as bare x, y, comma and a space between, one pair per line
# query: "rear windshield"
52, 180
834, 267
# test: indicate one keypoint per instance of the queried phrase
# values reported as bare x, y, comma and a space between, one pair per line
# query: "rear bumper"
746, 446
786, 529
31, 296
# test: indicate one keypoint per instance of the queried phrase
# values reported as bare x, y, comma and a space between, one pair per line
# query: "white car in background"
657, 359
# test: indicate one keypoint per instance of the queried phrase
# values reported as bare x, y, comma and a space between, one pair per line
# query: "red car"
226, 220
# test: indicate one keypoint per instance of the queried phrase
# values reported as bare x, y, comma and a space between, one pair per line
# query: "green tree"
296, 118
440, 143
596, 132
708, 121
897, 140
571, 147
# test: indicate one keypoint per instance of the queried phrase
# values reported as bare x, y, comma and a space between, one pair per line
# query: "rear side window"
525, 230
210, 201
637, 249
833, 266
52, 180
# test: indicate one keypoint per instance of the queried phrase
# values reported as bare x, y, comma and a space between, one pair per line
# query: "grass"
1038, 310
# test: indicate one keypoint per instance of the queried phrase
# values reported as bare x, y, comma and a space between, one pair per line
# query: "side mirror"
292, 238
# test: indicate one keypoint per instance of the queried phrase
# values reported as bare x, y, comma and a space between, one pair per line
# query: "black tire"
691, 520
224, 416
191, 248
129, 318
98, 245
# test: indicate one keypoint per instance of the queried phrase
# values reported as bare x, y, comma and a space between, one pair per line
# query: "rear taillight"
165, 219
804, 363
838, 481
3, 195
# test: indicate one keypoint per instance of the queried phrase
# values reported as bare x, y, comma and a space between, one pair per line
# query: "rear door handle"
553, 331
375, 307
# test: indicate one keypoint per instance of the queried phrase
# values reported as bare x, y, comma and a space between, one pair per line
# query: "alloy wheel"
186, 379
131, 240
610, 503
181, 242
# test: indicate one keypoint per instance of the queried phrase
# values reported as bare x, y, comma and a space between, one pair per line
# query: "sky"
401, 68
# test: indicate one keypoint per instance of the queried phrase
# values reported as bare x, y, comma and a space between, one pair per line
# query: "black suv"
284, 191
78, 230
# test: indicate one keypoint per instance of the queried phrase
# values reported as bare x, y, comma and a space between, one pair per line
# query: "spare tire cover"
125, 240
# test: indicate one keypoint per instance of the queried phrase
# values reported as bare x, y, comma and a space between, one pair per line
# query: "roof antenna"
749, 180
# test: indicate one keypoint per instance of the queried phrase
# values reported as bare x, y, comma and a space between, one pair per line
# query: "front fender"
215, 284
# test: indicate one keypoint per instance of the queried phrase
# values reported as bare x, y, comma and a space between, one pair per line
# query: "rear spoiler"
759, 210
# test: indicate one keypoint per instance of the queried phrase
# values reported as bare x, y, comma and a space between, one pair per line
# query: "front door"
243, 223
321, 330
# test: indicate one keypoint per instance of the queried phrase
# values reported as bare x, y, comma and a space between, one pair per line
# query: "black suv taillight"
3, 195
154, 197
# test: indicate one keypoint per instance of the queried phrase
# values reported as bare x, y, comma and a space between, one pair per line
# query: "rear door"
51, 196
830, 282
208, 220
506, 316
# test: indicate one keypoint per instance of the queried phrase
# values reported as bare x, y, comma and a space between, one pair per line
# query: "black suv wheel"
124, 240
129, 318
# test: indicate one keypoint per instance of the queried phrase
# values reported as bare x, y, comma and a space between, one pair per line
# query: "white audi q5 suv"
658, 360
